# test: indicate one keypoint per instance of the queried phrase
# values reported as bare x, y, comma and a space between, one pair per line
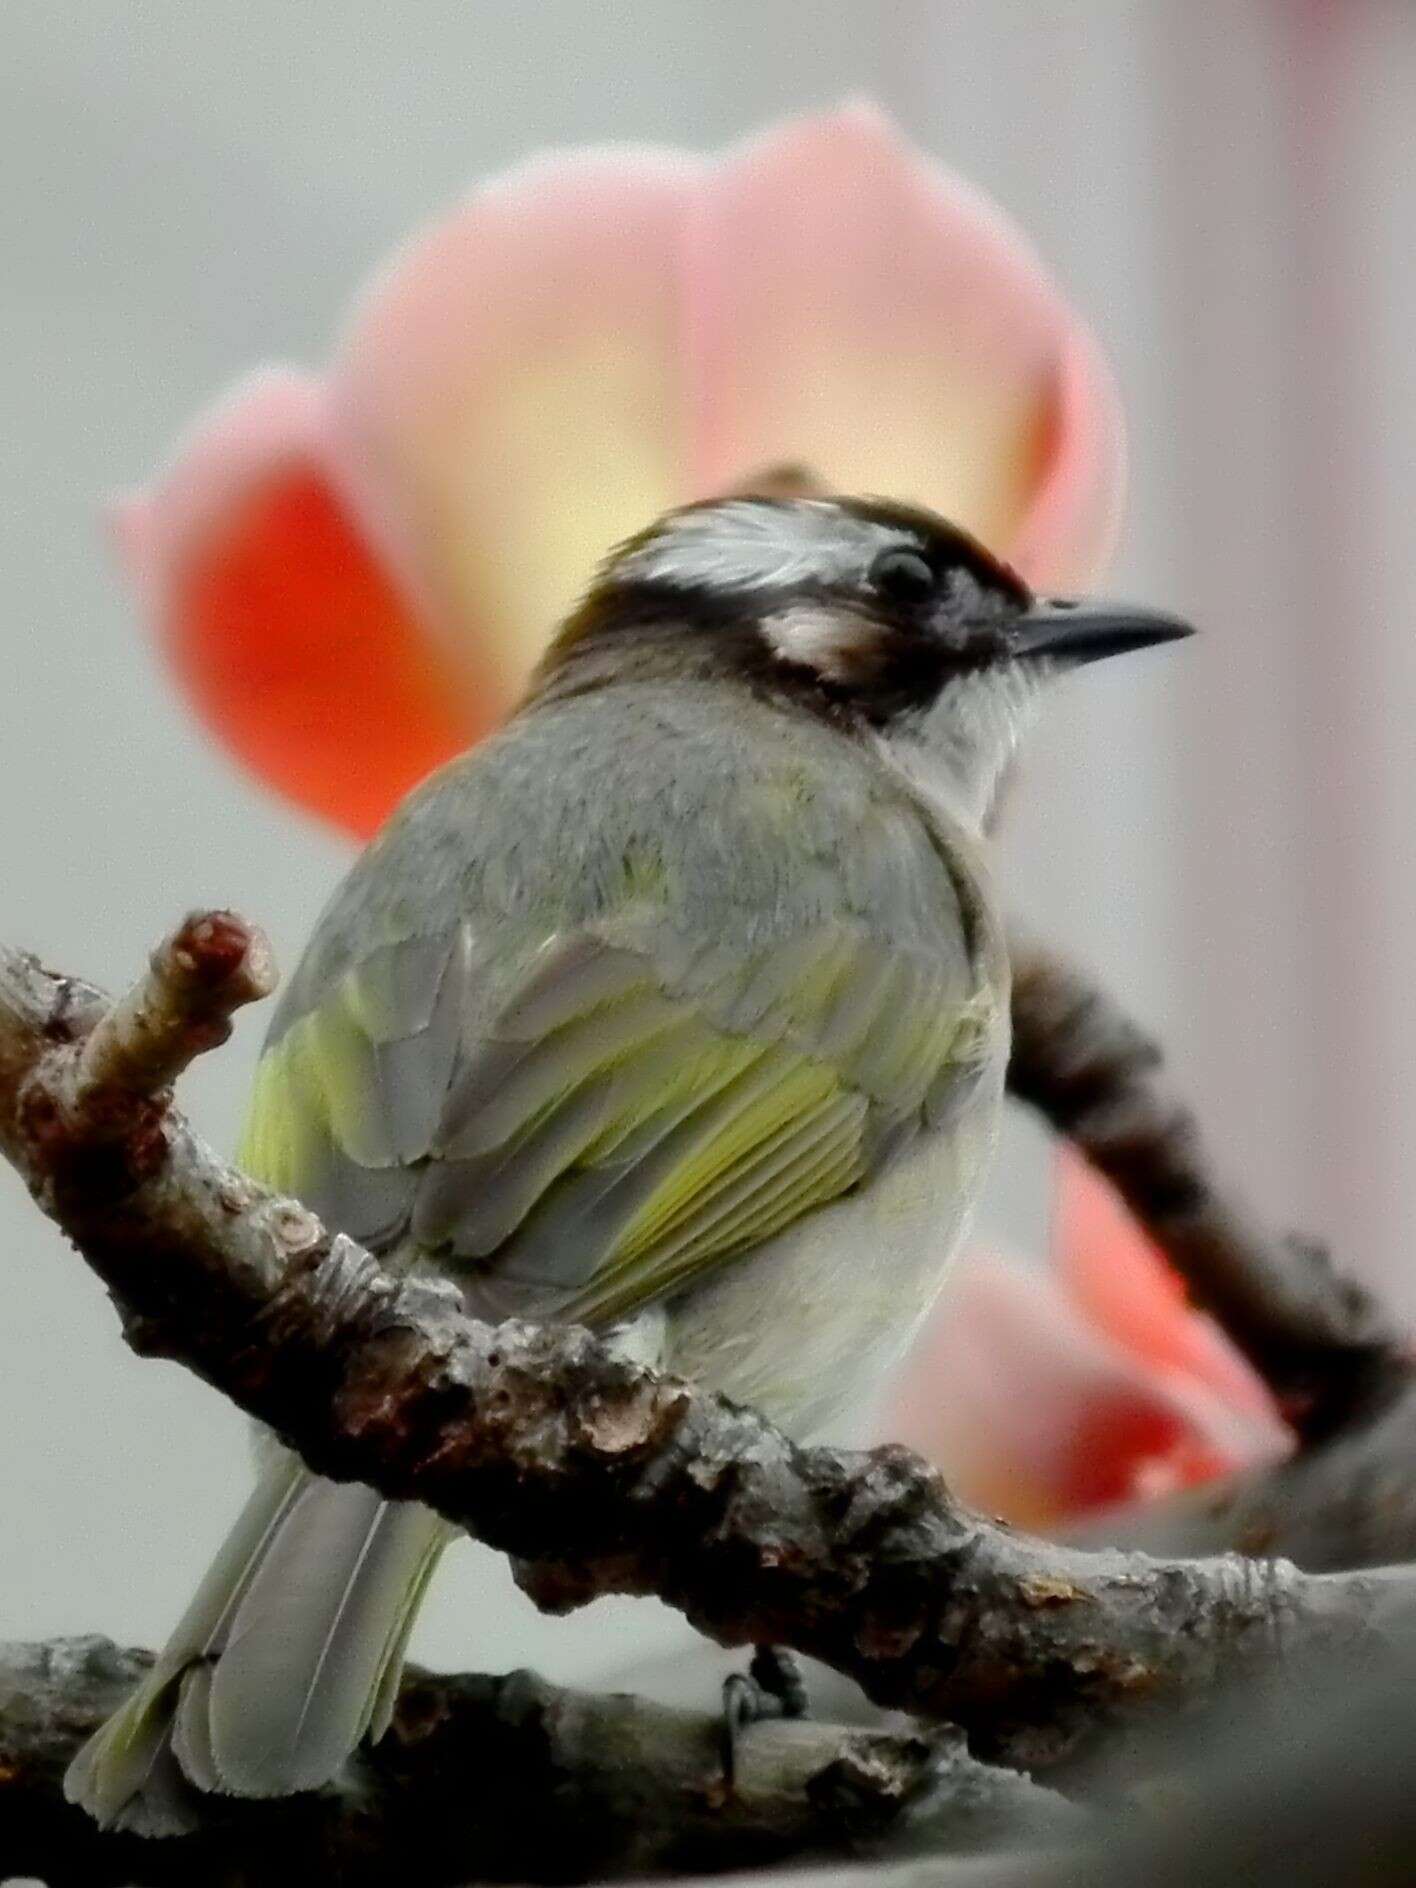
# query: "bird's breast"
809, 1324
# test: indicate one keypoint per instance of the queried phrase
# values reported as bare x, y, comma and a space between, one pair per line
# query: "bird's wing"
628, 1113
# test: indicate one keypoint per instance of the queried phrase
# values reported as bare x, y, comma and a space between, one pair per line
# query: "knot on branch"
92, 1107
90, 1158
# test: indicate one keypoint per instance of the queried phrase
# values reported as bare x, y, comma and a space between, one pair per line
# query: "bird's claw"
771, 1687
778, 1673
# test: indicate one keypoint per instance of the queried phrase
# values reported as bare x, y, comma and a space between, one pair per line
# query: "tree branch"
1343, 1371
1305, 1783
609, 1478
197, 979
510, 1779
1322, 1343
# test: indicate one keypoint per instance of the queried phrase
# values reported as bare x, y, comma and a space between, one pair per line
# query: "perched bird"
678, 1008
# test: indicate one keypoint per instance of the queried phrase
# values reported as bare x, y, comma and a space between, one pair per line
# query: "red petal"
1034, 1413
282, 623
1079, 490
1123, 1283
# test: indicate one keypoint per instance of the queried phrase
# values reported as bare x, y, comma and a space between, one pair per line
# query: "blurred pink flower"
1044, 1394
352, 576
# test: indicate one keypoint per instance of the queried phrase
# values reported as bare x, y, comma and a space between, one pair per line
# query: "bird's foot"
771, 1687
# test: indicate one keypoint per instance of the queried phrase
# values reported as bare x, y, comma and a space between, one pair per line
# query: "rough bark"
604, 1477
511, 1779
1299, 1784
1304, 1782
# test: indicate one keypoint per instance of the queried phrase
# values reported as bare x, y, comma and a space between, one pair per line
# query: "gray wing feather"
416, 1066
125, 1776
191, 1730
399, 985
301, 1667
620, 981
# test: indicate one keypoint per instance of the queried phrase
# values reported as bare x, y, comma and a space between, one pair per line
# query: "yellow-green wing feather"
629, 1112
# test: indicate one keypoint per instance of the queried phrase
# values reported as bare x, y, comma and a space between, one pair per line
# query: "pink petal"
1070, 528
267, 421
281, 622
861, 310
585, 341
515, 385
1033, 1414
1119, 1279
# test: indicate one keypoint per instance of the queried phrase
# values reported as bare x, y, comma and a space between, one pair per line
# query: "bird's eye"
903, 577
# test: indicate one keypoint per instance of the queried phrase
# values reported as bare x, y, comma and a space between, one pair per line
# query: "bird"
678, 1008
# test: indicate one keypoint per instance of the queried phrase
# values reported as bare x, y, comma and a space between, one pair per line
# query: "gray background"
1225, 187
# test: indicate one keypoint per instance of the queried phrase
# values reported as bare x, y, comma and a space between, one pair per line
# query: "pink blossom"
352, 574
1047, 1394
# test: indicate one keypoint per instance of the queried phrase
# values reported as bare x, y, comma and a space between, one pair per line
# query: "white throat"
955, 751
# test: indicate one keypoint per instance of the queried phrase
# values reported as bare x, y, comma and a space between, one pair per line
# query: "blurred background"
1223, 187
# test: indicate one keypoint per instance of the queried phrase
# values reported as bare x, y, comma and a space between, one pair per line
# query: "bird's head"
881, 618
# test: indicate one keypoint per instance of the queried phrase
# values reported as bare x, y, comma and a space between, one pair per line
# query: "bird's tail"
289, 1655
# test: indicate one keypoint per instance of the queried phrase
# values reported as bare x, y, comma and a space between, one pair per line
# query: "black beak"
1084, 632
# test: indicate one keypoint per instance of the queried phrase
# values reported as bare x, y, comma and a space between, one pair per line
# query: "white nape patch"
745, 543
819, 637
955, 751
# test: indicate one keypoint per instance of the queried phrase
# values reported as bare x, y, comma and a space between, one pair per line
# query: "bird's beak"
1076, 632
